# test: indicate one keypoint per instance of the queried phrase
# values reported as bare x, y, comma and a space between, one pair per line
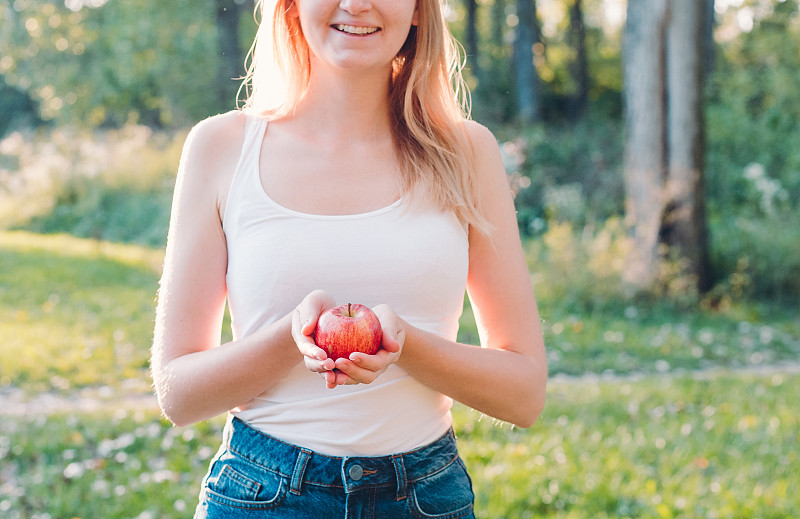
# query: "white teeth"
352, 29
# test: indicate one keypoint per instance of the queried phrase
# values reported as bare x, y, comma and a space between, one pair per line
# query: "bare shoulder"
216, 138
487, 161
481, 139
485, 148
210, 155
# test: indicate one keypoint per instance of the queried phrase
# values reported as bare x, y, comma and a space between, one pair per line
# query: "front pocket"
444, 495
230, 487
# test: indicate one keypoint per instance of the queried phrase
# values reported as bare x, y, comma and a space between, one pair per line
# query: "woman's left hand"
361, 368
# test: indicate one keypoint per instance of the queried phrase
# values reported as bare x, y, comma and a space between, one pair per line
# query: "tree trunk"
526, 77
472, 37
499, 22
684, 224
664, 69
580, 65
644, 97
708, 23
231, 67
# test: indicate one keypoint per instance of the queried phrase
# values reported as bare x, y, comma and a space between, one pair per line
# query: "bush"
580, 271
572, 172
760, 256
114, 185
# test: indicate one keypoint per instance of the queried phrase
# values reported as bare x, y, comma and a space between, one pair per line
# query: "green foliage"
142, 60
760, 255
114, 185
752, 112
573, 172
753, 161
16, 108
579, 271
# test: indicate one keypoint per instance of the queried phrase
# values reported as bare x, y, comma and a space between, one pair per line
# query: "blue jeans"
255, 475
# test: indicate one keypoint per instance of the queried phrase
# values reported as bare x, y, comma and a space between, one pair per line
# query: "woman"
355, 178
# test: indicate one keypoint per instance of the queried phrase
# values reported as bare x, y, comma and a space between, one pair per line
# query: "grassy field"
718, 447
645, 436
74, 312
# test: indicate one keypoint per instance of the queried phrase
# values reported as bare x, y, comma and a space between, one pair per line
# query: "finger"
392, 341
330, 379
356, 373
319, 366
305, 343
336, 378
377, 362
393, 331
310, 309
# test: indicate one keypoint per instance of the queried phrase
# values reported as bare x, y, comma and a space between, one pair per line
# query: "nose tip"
355, 6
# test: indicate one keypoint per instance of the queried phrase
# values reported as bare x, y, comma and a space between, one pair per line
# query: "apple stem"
349, 310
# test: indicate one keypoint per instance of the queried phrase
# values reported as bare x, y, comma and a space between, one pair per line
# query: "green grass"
653, 340
74, 312
79, 312
659, 442
723, 447
662, 447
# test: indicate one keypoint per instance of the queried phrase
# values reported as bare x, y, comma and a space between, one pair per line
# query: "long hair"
428, 99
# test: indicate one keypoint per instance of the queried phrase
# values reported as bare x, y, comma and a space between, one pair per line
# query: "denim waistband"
302, 466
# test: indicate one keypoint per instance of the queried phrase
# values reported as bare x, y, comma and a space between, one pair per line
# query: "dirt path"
16, 402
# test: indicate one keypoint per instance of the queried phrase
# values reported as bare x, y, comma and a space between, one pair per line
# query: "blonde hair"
428, 99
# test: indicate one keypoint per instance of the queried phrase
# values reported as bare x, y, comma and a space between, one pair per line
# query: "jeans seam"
438, 469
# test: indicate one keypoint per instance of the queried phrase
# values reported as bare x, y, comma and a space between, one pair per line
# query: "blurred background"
653, 147
96, 97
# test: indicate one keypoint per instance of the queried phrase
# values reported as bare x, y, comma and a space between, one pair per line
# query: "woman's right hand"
304, 321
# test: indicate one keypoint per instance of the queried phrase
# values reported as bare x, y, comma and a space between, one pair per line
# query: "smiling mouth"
358, 31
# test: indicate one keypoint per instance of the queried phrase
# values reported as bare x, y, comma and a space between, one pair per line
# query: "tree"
684, 220
231, 68
472, 36
498, 22
526, 78
114, 63
663, 50
579, 65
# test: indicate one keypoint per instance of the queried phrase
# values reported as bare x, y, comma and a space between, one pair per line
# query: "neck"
346, 103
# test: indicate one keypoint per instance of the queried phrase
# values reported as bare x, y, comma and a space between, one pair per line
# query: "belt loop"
299, 471
227, 431
400, 473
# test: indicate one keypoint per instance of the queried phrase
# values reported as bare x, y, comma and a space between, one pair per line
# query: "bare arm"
195, 377
507, 377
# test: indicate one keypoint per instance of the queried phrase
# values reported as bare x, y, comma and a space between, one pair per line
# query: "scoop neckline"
322, 216
301, 214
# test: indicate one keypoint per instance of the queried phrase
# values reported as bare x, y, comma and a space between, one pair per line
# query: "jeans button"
356, 472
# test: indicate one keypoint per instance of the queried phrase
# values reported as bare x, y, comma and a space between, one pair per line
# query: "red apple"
347, 328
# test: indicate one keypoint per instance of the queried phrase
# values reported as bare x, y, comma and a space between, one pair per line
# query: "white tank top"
409, 255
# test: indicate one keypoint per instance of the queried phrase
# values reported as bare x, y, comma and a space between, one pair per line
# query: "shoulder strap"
254, 128
246, 171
